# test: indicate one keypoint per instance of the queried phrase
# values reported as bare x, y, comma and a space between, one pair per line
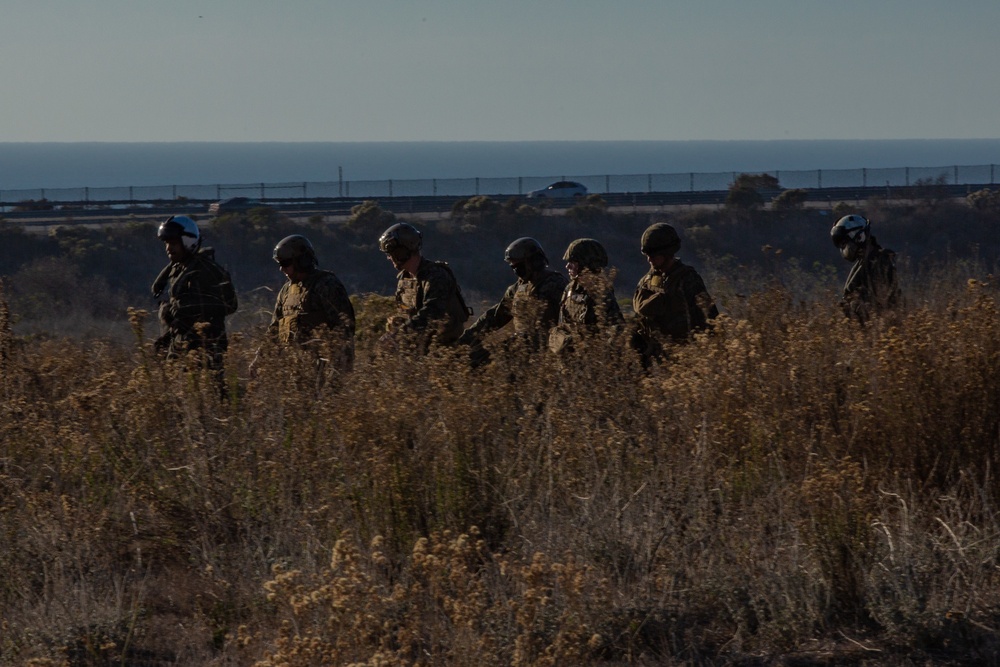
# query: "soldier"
871, 285
531, 303
427, 293
312, 306
588, 303
670, 301
195, 294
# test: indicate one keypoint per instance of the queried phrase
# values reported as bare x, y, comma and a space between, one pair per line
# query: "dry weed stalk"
789, 476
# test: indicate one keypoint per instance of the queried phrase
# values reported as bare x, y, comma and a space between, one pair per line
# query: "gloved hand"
162, 344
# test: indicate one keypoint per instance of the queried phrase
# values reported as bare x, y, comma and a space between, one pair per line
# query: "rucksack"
461, 299
227, 292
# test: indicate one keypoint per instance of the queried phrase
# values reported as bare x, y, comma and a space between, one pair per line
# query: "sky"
516, 70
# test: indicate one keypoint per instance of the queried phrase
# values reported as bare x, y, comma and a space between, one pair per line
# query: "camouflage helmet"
400, 235
524, 249
180, 227
588, 253
295, 248
660, 238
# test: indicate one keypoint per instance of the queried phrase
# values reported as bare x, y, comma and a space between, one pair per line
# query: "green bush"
368, 219
985, 201
756, 182
790, 200
592, 209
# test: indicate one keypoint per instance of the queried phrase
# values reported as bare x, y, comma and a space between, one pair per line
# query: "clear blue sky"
426, 70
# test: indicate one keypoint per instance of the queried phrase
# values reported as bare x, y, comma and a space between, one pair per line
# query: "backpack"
227, 292
467, 312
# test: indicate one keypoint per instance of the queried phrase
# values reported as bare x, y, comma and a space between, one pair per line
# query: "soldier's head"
585, 255
850, 235
296, 257
180, 236
659, 244
401, 243
526, 257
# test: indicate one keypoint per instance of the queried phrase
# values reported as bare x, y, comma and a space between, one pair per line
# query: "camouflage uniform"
670, 306
318, 302
532, 305
430, 303
588, 304
199, 295
871, 285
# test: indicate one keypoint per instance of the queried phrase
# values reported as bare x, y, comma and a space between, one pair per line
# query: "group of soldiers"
542, 309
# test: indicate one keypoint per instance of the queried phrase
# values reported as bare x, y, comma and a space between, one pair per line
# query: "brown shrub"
791, 477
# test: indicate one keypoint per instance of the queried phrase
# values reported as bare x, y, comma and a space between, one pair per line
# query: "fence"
511, 186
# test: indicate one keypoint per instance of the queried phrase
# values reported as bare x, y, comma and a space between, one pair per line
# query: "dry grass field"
792, 489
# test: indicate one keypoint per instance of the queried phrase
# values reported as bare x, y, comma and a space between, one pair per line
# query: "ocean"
101, 165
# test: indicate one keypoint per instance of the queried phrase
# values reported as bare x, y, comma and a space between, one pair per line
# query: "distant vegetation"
792, 487
47, 276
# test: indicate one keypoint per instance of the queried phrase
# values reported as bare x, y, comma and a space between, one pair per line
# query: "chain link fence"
509, 186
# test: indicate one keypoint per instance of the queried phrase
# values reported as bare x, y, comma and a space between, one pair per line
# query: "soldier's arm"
676, 323
337, 308
161, 282
496, 317
600, 302
550, 293
698, 297
200, 299
857, 280
612, 311
439, 289
888, 286
278, 312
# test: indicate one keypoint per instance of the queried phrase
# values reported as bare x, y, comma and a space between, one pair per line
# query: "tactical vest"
410, 297
194, 292
530, 309
577, 306
580, 313
296, 319
871, 284
660, 304
300, 311
589, 299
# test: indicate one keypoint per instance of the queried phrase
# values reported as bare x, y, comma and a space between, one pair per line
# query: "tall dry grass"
792, 487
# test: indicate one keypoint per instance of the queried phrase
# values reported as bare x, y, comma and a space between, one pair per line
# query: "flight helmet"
850, 235
180, 227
